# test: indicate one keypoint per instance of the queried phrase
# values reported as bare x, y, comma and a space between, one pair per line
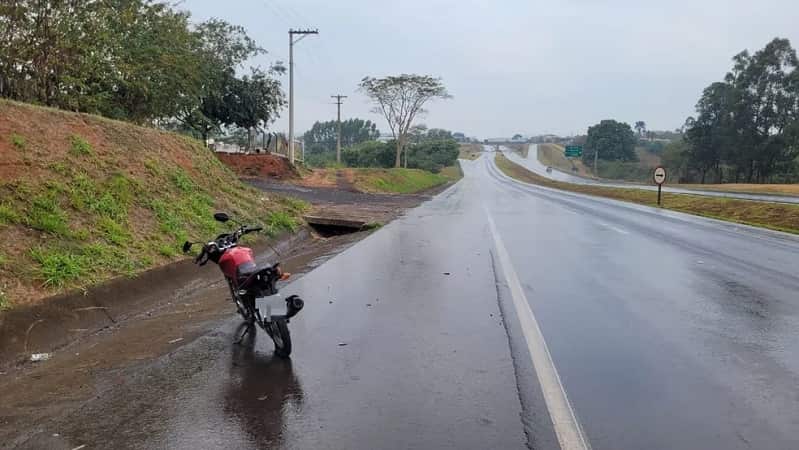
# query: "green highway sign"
573, 151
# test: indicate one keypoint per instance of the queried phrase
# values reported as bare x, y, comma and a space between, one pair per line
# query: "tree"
744, 126
400, 99
438, 134
322, 135
254, 101
640, 127
224, 48
433, 155
369, 154
675, 158
612, 140
136, 60
128, 59
517, 137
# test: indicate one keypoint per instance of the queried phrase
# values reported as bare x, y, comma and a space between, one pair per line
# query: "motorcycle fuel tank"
233, 258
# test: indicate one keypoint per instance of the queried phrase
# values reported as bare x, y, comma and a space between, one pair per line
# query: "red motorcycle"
252, 288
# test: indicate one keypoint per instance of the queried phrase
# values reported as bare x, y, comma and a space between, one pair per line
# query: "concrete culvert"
335, 226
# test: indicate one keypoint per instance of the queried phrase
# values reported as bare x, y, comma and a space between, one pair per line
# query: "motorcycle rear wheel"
278, 330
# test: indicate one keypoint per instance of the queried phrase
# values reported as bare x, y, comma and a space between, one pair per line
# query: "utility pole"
338, 137
292, 41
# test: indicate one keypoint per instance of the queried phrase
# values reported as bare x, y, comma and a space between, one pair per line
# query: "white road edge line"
611, 227
567, 428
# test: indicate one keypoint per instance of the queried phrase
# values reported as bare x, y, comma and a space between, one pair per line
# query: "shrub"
79, 146
18, 141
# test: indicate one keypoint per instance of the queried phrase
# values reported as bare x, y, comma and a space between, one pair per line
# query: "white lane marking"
567, 429
611, 227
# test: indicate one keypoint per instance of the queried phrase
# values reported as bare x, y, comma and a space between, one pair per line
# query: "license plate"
274, 305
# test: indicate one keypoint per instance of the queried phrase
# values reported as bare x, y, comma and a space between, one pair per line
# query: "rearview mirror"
186, 246
221, 217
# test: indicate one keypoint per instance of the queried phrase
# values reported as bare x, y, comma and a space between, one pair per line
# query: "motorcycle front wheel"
278, 330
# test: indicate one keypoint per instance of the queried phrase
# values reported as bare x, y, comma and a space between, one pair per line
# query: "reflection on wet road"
666, 331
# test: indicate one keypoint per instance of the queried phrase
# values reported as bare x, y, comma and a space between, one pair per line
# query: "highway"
532, 163
496, 315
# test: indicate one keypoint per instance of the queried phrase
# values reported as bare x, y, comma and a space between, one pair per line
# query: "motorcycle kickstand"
250, 326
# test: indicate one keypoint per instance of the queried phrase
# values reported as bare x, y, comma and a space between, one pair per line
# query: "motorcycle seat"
245, 270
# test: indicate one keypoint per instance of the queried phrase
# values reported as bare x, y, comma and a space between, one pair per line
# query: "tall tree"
745, 123
400, 99
614, 141
254, 101
224, 48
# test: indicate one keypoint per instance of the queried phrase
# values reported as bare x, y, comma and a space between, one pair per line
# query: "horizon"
553, 68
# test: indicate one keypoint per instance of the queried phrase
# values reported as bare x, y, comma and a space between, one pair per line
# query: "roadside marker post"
660, 177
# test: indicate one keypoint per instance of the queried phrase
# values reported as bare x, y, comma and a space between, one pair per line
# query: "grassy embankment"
401, 181
381, 181
470, 151
84, 199
775, 216
552, 155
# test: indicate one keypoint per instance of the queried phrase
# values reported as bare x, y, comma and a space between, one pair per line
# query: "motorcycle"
253, 288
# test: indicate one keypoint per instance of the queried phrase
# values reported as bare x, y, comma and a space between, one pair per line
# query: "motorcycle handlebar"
223, 241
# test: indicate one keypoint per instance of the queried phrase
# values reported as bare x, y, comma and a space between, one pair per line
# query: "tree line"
321, 138
428, 149
135, 60
747, 126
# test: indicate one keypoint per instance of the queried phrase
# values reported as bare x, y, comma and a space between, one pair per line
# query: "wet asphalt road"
667, 331
532, 163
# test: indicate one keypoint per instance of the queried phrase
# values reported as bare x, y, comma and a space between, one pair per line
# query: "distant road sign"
573, 151
660, 175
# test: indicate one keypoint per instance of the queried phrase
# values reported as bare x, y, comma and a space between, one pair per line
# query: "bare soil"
259, 165
338, 199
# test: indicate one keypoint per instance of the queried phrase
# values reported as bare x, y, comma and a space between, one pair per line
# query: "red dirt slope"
265, 165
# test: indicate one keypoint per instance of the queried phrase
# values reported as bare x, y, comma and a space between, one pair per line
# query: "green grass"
182, 180
398, 181
114, 232
79, 146
278, 221
452, 172
8, 214
18, 141
58, 267
83, 215
776, 216
168, 250
101, 257
46, 214
109, 199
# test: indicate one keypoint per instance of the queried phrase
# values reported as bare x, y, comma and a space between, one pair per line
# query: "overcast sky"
525, 66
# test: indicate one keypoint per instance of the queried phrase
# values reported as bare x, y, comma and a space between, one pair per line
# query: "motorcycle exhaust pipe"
295, 305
